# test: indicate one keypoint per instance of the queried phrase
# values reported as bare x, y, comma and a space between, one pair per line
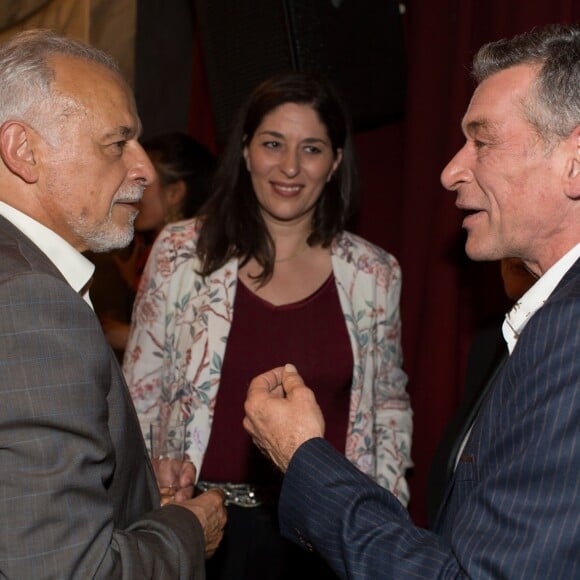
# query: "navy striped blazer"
512, 508
77, 493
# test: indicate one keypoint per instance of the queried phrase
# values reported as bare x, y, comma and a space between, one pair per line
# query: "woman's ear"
246, 155
335, 164
175, 193
17, 150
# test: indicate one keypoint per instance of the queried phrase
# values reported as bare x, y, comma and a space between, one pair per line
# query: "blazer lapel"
569, 277
470, 419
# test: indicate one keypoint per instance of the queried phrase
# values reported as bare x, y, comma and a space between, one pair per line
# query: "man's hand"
186, 482
281, 414
208, 507
175, 479
210, 510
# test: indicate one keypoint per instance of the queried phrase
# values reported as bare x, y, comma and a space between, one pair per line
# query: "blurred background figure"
184, 171
270, 252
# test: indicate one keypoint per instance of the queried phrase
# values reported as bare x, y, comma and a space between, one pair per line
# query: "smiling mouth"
286, 189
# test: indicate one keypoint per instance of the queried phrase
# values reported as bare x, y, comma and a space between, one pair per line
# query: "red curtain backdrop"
405, 210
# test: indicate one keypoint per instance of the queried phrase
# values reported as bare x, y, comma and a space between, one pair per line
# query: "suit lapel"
35, 256
464, 432
571, 275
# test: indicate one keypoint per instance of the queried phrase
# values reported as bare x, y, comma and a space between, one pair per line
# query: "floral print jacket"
181, 323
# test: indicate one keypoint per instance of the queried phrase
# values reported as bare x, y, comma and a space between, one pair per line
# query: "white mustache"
132, 194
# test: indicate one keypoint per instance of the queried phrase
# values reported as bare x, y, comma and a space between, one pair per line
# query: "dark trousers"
253, 549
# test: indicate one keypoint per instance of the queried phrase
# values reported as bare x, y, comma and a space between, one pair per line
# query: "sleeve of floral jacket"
146, 354
379, 439
393, 423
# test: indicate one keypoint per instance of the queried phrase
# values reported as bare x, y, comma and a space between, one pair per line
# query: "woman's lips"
286, 189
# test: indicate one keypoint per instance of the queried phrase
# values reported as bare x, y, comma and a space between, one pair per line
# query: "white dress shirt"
521, 312
75, 268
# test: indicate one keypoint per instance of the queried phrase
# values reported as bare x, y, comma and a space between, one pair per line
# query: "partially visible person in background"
269, 273
184, 169
487, 352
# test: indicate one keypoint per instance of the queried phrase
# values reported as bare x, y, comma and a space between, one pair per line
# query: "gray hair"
26, 74
555, 49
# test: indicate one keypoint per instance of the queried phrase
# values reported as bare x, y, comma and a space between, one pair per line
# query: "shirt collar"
517, 318
75, 268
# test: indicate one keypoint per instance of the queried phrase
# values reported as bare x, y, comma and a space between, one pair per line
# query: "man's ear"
17, 151
573, 190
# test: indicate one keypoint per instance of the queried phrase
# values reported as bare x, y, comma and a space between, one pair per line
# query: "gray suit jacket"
512, 507
78, 498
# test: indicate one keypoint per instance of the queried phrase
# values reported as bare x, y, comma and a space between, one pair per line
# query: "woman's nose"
290, 164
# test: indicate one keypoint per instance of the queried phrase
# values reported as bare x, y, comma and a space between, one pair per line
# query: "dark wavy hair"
176, 157
233, 225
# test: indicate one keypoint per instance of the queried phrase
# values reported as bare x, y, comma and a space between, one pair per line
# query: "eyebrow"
123, 131
307, 140
478, 125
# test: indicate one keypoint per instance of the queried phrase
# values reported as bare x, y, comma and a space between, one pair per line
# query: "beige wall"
107, 24
113, 26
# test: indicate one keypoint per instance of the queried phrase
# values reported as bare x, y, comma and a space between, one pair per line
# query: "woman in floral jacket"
270, 252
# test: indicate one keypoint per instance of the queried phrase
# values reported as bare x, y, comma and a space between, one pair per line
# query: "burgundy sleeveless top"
312, 335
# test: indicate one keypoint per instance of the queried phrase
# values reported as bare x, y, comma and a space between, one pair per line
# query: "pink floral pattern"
181, 324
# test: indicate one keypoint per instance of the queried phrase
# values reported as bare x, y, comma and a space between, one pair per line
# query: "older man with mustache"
78, 496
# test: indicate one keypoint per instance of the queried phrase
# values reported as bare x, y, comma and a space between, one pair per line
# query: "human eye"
119, 146
482, 141
313, 149
480, 148
271, 144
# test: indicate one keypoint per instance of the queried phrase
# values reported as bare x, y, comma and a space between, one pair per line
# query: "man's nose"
456, 171
140, 166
